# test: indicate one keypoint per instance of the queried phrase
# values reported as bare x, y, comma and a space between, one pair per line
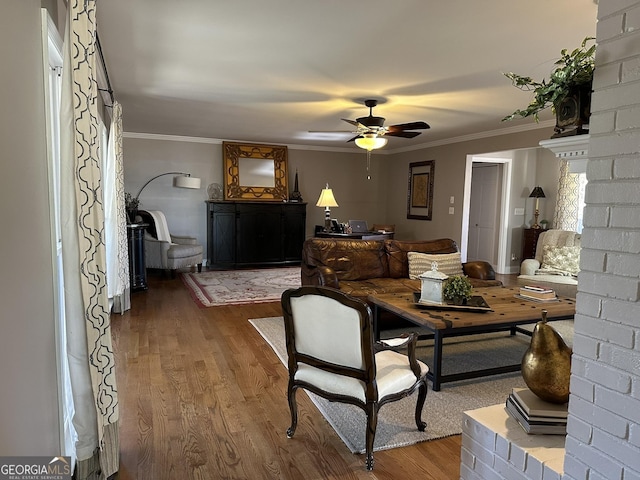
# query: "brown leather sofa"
365, 267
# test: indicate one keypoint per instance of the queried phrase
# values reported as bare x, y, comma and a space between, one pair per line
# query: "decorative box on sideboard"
247, 234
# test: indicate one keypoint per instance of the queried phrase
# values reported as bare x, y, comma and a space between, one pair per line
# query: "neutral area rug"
443, 410
235, 287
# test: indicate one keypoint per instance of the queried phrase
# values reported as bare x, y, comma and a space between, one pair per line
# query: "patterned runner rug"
234, 287
442, 410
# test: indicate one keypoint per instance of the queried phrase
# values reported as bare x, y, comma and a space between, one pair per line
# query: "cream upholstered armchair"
556, 264
166, 251
332, 354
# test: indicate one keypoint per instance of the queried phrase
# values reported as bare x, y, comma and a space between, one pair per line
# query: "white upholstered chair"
546, 269
332, 354
166, 251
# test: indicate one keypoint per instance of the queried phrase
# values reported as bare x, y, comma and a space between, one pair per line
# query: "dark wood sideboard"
247, 234
530, 242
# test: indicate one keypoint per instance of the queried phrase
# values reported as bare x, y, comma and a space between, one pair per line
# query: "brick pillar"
603, 440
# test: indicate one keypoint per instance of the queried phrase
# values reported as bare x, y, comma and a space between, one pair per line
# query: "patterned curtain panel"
118, 273
90, 354
567, 205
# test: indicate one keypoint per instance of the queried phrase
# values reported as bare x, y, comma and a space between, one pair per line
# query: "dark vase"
131, 214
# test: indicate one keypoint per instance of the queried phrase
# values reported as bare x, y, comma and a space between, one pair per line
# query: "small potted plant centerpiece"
567, 92
457, 289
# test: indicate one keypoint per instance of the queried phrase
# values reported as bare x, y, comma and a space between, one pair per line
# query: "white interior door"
484, 212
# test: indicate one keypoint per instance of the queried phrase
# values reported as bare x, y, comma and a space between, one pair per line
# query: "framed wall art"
420, 190
255, 172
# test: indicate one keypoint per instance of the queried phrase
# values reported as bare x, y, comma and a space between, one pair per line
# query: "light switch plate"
518, 211
451, 200
451, 210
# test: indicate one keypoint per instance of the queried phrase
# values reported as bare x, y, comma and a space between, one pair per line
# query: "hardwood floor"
202, 396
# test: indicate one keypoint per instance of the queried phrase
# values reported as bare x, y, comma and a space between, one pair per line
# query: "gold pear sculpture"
546, 365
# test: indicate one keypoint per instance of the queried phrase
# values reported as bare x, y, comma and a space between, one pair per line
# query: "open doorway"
485, 210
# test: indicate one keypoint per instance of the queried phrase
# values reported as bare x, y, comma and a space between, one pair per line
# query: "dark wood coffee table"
506, 314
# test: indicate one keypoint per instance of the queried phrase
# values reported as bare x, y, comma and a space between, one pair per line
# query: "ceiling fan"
371, 129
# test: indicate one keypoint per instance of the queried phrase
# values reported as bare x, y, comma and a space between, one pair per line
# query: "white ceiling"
272, 70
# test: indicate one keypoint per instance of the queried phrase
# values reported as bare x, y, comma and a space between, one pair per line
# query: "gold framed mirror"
255, 172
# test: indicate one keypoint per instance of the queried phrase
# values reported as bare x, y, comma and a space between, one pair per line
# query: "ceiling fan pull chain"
368, 164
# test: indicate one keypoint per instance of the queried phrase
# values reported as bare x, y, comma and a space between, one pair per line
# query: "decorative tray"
475, 304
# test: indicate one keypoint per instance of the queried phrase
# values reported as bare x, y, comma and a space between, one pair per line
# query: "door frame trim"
502, 266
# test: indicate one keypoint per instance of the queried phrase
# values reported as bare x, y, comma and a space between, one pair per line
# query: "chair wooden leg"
422, 396
293, 407
200, 268
372, 423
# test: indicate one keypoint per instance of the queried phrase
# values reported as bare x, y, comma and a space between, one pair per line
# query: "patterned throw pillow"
448, 263
560, 261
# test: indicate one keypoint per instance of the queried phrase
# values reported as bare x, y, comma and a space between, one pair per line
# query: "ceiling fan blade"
352, 122
354, 138
409, 126
401, 133
330, 131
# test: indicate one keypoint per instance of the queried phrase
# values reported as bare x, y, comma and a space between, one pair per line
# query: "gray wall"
379, 200
449, 181
29, 406
146, 156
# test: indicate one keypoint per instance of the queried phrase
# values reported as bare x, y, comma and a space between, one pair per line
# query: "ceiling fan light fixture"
370, 141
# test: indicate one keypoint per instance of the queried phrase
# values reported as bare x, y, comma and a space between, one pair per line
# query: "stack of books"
535, 415
538, 294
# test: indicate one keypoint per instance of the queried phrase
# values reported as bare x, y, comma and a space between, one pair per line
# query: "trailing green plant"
572, 69
457, 287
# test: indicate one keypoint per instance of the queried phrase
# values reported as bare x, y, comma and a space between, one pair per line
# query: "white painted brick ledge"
495, 446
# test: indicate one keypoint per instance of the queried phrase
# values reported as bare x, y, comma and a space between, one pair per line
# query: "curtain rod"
109, 90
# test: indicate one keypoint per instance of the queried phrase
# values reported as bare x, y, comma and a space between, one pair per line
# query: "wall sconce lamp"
181, 180
536, 193
327, 200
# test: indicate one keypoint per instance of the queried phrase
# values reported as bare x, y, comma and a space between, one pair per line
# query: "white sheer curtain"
115, 218
89, 349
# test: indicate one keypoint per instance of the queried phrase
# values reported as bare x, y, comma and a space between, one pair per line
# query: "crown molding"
218, 141
479, 135
422, 146
170, 138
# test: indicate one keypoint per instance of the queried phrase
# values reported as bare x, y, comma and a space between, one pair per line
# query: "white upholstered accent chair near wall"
556, 264
332, 353
166, 251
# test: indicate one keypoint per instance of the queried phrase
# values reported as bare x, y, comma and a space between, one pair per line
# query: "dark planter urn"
573, 112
